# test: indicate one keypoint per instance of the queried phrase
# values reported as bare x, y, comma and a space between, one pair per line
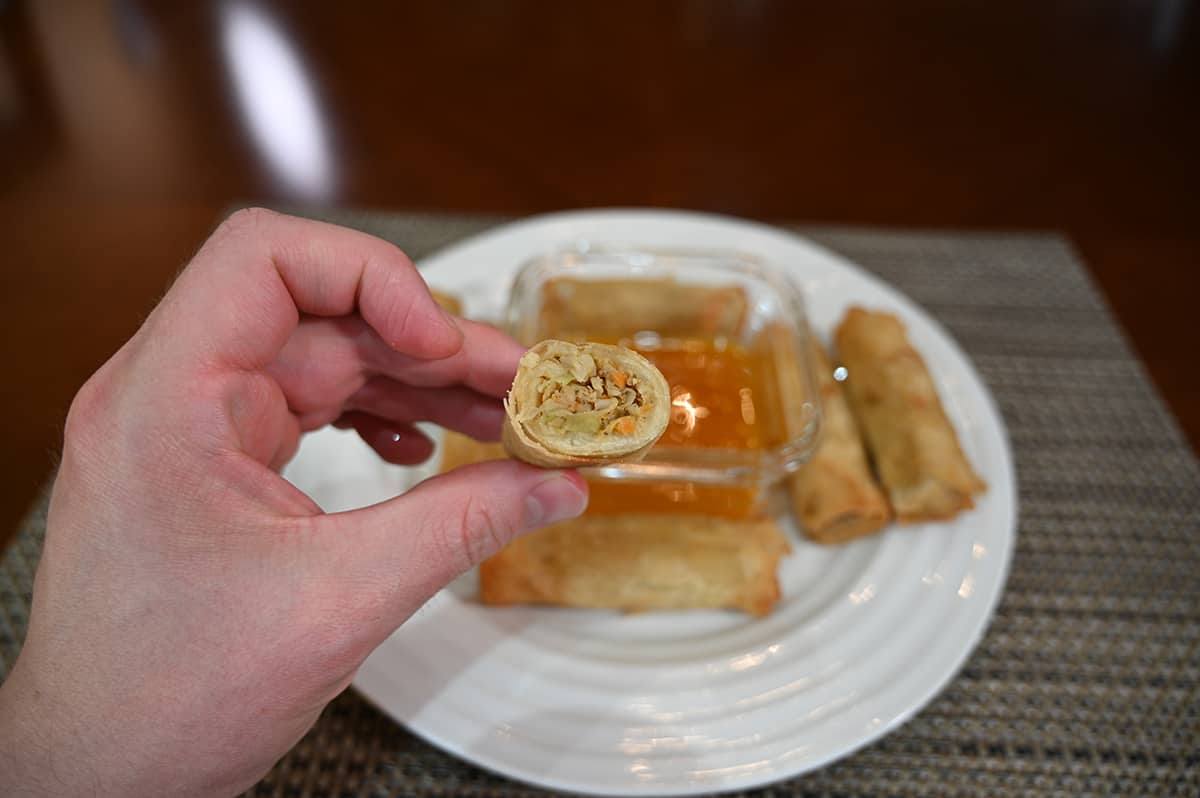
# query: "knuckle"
85, 412
390, 253
400, 317
481, 531
245, 220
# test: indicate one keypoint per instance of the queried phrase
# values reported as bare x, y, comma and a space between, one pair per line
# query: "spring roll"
632, 562
835, 495
584, 308
637, 563
584, 404
920, 462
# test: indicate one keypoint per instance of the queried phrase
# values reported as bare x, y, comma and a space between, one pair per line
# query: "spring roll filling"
580, 397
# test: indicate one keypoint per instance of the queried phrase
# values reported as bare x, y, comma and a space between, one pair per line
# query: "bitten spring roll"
916, 450
584, 404
835, 495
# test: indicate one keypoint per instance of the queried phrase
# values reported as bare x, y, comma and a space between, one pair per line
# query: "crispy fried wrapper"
637, 563
835, 495
920, 461
584, 404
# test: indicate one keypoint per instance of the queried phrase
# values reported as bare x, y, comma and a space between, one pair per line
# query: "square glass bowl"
729, 333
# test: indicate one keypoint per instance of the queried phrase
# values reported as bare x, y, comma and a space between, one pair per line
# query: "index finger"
242, 296
486, 362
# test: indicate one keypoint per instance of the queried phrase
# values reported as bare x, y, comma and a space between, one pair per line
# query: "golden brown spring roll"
615, 308
920, 462
835, 495
641, 562
449, 302
584, 404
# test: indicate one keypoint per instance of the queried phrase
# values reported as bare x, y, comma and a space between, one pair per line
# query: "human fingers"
395, 442
242, 296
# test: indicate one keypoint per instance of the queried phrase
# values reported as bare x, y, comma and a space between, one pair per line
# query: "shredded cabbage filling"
578, 394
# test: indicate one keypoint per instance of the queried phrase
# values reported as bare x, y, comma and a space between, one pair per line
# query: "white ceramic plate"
686, 703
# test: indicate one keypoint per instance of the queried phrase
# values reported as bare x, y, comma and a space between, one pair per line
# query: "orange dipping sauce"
716, 403
713, 392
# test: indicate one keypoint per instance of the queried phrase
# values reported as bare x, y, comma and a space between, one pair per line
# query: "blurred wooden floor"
126, 126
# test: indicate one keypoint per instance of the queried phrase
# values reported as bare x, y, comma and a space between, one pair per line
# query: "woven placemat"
1086, 682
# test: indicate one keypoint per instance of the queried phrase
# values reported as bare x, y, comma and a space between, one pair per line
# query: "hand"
193, 611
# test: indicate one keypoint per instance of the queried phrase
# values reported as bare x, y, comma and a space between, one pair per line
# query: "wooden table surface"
126, 126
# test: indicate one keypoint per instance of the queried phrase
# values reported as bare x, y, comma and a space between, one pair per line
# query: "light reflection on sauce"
748, 414
685, 412
713, 388
715, 385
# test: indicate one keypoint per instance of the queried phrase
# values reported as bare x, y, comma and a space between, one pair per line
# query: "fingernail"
554, 499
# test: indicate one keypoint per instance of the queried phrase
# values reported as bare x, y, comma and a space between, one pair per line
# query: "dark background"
126, 127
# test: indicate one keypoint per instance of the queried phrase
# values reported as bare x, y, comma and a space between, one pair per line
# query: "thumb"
414, 545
